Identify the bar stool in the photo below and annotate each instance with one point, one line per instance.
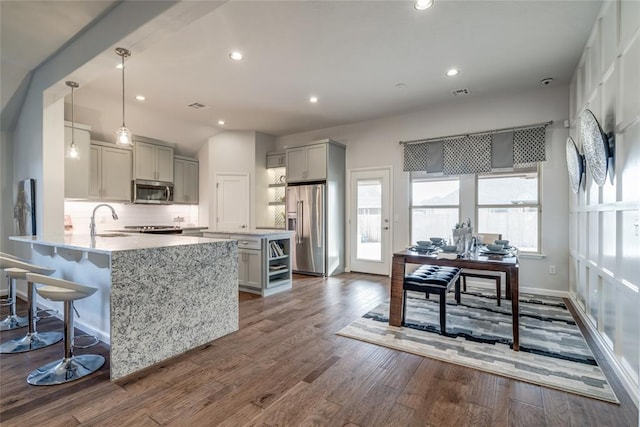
(33, 340)
(12, 321)
(69, 368)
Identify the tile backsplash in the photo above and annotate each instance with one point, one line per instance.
(129, 214)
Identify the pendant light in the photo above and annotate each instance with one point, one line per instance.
(73, 148)
(123, 136)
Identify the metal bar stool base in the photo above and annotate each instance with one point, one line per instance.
(66, 370)
(13, 322)
(30, 342)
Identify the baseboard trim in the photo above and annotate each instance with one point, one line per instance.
(545, 292)
(489, 284)
(627, 382)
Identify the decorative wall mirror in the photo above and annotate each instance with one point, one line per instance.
(598, 148)
(575, 165)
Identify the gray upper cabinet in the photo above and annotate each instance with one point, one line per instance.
(307, 163)
(275, 160)
(152, 162)
(110, 177)
(185, 186)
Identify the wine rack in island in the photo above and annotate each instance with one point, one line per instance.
(264, 259)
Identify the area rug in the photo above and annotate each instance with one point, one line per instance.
(553, 352)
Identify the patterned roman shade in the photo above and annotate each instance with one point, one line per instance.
(528, 146)
(471, 154)
(477, 153)
(415, 157)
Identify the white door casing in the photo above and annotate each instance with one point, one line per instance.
(232, 211)
(370, 220)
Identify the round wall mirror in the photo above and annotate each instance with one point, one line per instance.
(575, 165)
(595, 145)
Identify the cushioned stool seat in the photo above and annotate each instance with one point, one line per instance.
(432, 279)
(71, 367)
(33, 340)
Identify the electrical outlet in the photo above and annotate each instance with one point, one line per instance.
(552, 269)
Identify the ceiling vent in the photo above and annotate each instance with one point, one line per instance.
(196, 105)
(460, 92)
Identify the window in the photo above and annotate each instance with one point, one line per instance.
(509, 204)
(435, 206)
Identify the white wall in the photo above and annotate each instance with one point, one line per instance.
(237, 152)
(229, 152)
(375, 143)
(6, 188)
(205, 187)
(28, 139)
(604, 221)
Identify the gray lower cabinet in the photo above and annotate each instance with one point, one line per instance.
(264, 264)
(250, 268)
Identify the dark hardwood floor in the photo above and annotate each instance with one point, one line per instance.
(286, 367)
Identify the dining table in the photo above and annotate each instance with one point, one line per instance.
(472, 260)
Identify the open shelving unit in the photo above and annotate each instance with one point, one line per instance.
(278, 263)
(277, 190)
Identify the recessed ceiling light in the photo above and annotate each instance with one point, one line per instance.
(313, 99)
(236, 56)
(220, 122)
(423, 4)
(452, 72)
(400, 85)
(140, 97)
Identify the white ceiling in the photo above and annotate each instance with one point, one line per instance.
(351, 54)
(31, 31)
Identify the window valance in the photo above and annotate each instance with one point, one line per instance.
(478, 152)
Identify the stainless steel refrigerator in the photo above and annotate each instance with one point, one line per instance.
(306, 217)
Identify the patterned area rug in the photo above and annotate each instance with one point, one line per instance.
(553, 352)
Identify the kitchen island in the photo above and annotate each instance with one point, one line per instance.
(158, 295)
(264, 258)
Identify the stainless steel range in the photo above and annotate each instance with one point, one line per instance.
(153, 229)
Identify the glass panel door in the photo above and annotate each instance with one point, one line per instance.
(369, 219)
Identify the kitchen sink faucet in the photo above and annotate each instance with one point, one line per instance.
(92, 225)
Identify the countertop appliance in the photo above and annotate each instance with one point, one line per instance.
(151, 192)
(153, 229)
(306, 217)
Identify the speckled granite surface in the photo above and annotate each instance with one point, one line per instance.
(100, 244)
(167, 300)
(159, 295)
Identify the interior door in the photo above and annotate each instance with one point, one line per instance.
(370, 221)
(232, 201)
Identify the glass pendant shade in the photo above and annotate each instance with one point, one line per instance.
(73, 148)
(73, 151)
(123, 136)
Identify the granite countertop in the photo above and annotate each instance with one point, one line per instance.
(251, 231)
(120, 242)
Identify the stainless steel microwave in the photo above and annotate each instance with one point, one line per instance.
(151, 192)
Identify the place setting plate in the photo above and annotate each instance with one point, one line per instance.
(424, 247)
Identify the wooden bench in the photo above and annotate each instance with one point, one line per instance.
(432, 279)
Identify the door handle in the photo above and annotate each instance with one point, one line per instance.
(299, 222)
